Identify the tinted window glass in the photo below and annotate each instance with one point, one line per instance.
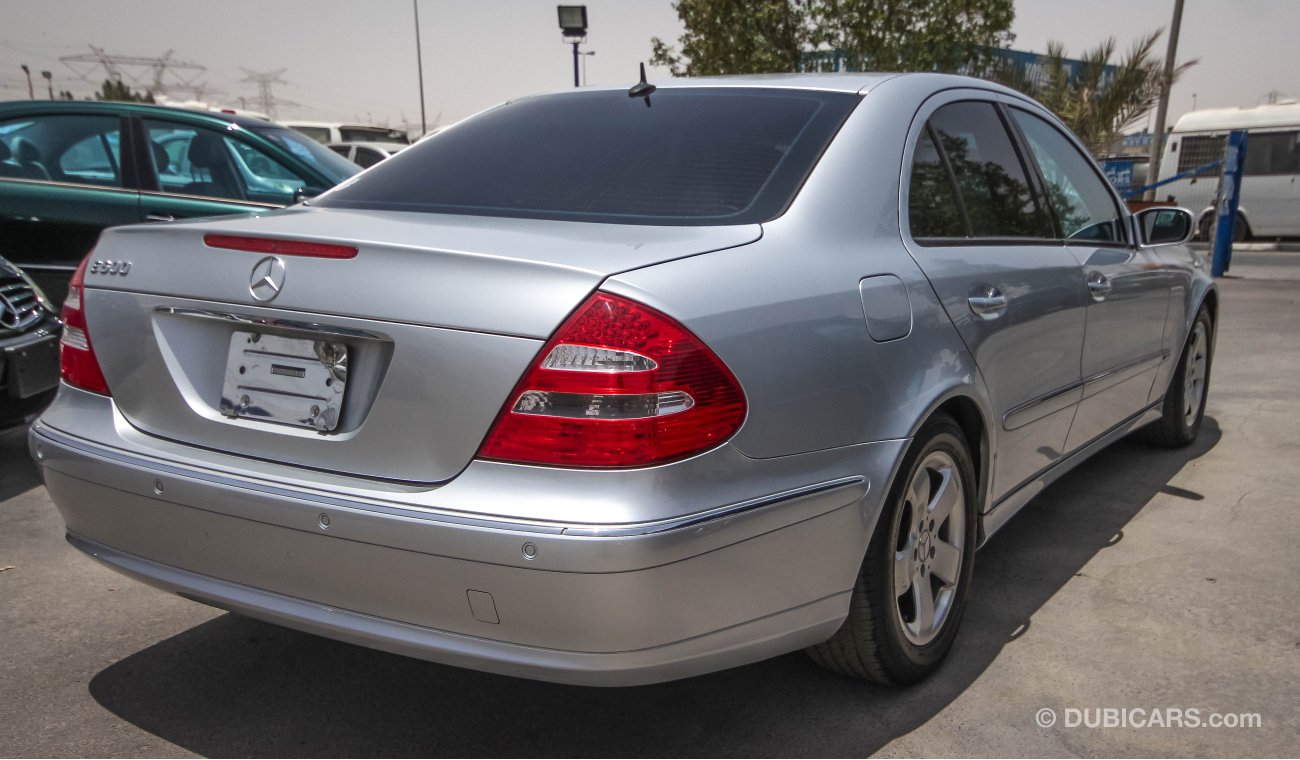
(319, 134)
(1076, 192)
(989, 174)
(368, 157)
(694, 156)
(932, 207)
(1272, 153)
(373, 134)
(64, 148)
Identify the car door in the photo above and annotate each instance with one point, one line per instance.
(198, 171)
(979, 230)
(1128, 287)
(64, 177)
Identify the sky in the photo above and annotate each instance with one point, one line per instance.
(349, 61)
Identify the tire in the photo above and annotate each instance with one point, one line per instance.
(1184, 406)
(1240, 229)
(888, 635)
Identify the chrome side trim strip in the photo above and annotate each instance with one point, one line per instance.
(216, 198)
(1057, 400)
(1009, 505)
(1094, 384)
(613, 530)
(1038, 408)
(75, 185)
(686, 521)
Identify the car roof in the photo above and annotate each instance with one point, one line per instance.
(847, 82)
(16, 107)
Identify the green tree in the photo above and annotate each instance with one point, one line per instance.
(733, 37)
(119, 91)
(1099, 102)
(912, 35)
(760, 36)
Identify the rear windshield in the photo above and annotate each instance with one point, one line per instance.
(694, 156)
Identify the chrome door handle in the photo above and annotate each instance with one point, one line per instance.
(160, 218)
(987, 302)
(1098, 286)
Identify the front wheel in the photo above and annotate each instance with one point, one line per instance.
(912, 587)
(1184, 405)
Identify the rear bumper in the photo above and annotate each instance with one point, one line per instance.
(599, 605)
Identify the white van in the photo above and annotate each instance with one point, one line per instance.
(1270, 195)
(325, 132)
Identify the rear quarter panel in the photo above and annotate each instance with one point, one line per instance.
(786, 315)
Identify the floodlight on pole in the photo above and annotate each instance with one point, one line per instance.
(573, 25)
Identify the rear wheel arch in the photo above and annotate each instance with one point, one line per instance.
(964, 408)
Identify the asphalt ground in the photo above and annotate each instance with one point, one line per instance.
(1145, 582)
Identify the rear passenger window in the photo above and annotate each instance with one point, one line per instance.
(932, 207)
(82, 149)
(1075, 189)
(989, 175)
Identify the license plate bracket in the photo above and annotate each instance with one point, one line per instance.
(297, 381)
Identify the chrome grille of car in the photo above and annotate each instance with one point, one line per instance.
(18, 305)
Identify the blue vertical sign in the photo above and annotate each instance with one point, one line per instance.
(1230, 195)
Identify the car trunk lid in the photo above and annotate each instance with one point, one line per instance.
(392, 363)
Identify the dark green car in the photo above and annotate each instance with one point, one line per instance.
(68, 169)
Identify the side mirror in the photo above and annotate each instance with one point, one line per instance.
(1164, 226)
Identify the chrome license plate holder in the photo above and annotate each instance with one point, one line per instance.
(286, 380)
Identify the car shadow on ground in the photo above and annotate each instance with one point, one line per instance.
(18, 473)
(238, 687)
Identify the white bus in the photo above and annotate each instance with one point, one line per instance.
(1270, 195)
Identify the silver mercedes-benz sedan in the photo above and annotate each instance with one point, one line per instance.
(620, 386)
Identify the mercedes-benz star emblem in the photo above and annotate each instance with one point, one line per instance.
(268, 279)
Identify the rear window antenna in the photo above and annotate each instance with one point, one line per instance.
(642, 89)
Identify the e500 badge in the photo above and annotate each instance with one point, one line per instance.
(110, 267)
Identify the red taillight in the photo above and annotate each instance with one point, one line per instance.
(77, 363)
(619, 385)
(282, 247)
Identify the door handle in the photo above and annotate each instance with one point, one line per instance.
(987, 302)
(159, 218)
(1098, 286)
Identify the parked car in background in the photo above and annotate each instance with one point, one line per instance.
(29, 346)
(595, 392)
(68, 169)
(326, 132)
(365, 154)
(1270, 194)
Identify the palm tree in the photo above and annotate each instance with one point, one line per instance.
(1099, 100)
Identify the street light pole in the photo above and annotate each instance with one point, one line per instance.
(419, 65)
(31, 94)
(49, 82)
(1162, 109)
(573, 26)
